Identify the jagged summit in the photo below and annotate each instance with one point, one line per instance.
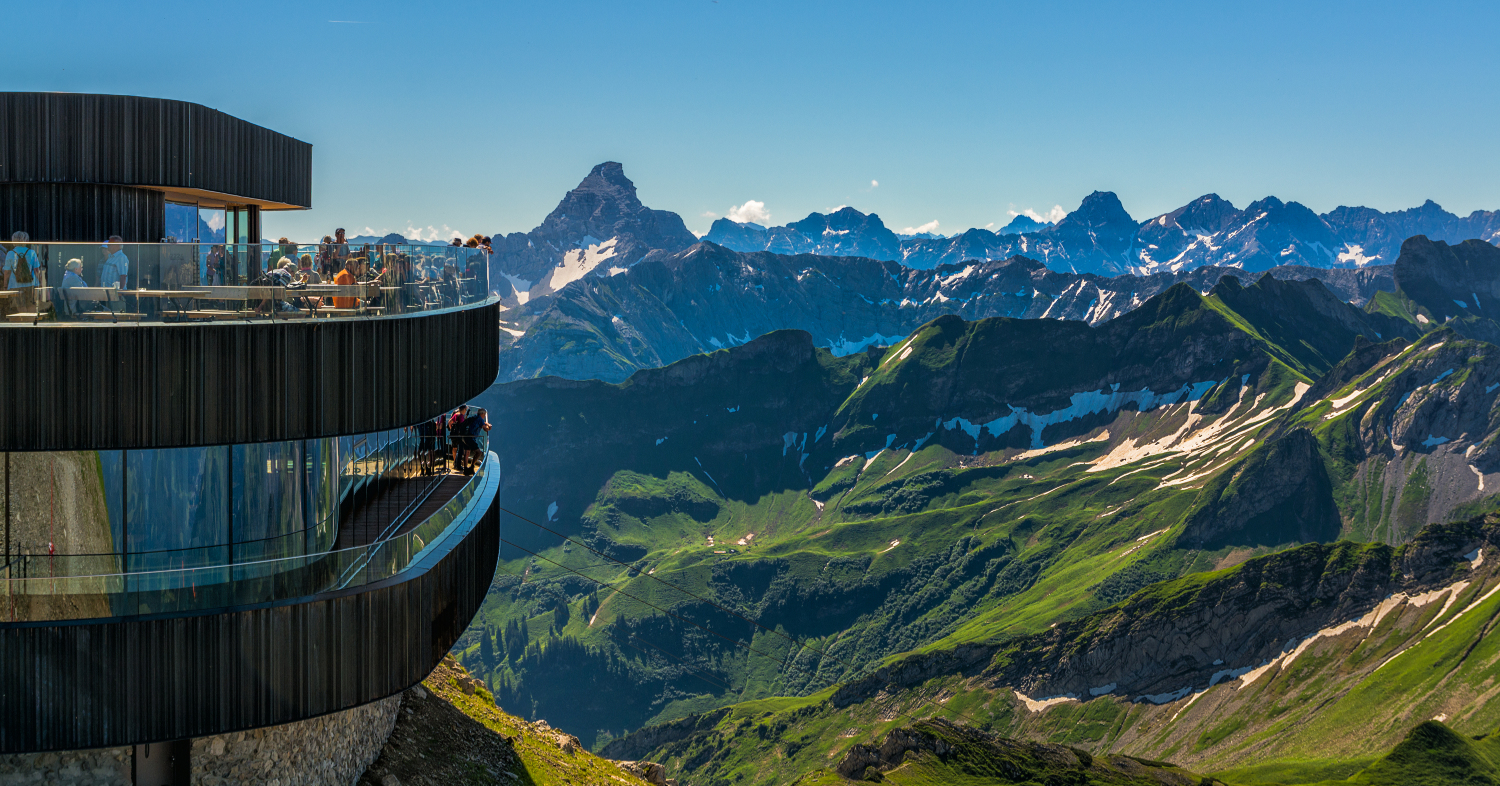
(1022, 224)
(599, 228)
(1101, 208)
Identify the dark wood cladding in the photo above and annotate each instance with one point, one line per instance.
(106, 387)
(82, 212)
(150, 142)
(98, 683)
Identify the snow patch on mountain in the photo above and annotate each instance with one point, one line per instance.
(846, 346)
(1083, 404)
(580, 262)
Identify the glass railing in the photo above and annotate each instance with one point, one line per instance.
(204, 282)
(114, 593)
(176, 508)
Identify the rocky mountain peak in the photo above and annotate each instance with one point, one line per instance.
(1101, 208)
(610, 172)
(1023, 224)
(1206, 214)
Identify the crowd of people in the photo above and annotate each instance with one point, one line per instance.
(453, 438)
(24, 270)
(411, 276)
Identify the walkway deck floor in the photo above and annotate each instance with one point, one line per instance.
(371, 518)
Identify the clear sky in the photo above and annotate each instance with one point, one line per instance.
(479, 116)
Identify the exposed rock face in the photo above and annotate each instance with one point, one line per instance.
(598, 226)
(1160, 645)
(710, 297)
(1281, 494)
(652, 737)
(973, 752)
(1457, 285)
(849, 233)
(648, 771)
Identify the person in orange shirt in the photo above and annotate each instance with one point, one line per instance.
(345, 278)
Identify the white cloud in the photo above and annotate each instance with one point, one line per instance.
(835, 209)
(752, 212)
(710, 214)
(1054, 215)
(987, 226)
(930, 226)
(874, 184)
(429, 234)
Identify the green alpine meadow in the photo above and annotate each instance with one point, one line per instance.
(1243, 535)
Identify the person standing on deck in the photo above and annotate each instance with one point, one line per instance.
(22, 271)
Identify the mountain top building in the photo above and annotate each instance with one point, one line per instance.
(221, 510)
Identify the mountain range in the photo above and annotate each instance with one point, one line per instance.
(709, 297)
(1101, 237)
(601, 228)
(585, 307)
(818, 514)
(1034, 522)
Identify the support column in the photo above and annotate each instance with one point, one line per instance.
(162, 764)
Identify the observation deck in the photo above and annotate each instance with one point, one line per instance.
(218, 514)
(201, 344)
(216, 509)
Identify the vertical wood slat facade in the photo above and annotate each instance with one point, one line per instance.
(78, 167)
(148, 142)
(82, 212)
(98, 683)
(106, 387)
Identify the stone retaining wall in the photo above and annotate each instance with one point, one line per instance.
(333, 750)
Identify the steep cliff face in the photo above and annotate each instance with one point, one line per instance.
(1280, 494)
(1457, 285)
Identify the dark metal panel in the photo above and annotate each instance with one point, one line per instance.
(121, 682)
(82, 212)
(105, 387)
(150, 142)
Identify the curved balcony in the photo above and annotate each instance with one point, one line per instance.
(201, 344)
(241, 644)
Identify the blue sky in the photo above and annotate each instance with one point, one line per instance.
(479, 116)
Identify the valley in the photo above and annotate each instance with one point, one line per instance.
(770, 516)
(826, 547)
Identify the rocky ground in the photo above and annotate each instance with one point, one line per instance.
(449, 731)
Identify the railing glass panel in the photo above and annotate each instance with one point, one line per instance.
(202, 282)
(113, 592)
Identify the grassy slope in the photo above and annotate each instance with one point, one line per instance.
(1295, 718)
(446, 735)
(991, 545)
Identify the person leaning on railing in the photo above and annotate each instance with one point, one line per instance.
(475, 425)
(456, 434)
